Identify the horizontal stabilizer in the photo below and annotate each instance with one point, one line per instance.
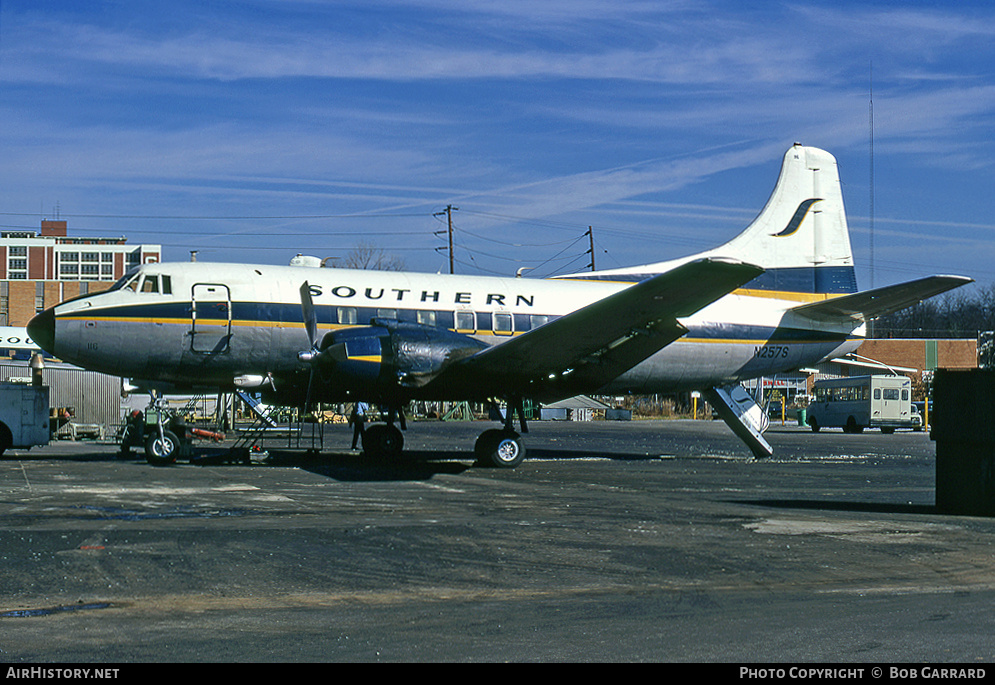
(861, 307)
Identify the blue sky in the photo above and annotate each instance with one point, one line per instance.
(251, 131)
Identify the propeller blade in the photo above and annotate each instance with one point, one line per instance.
(310, 315)
(311, 327)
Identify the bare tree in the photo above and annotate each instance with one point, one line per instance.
(959, 314)
(367, 256)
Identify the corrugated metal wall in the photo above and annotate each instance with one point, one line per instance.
(94, 397)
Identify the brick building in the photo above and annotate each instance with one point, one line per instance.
(922, 355)
(40, 270)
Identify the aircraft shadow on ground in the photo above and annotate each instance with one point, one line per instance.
(422, 465)
(416, 465)
(413, 465)
(93, 457)
(538, 453)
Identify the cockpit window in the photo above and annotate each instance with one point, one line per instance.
(129, 280)
(151, 284)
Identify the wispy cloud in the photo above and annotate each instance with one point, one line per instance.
(562, 110)
(655, 42)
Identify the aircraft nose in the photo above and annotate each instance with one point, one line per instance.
(42, 330)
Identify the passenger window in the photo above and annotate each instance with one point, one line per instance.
(539, 320)
(503, 323)
(387, 313)
(347, 315)
(877, 393)
(465, 321)
(425, 318)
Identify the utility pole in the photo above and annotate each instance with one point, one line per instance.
(449, 215)
(590, 234)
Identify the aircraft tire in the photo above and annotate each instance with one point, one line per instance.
(814, 425)
(382, 440)
(499, 448)
(162, 451)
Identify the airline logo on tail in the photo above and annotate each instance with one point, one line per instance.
(797, 219)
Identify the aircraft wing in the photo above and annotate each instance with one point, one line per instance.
(602, 340)
(861, 307)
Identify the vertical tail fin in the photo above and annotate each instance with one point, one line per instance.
(800, 238)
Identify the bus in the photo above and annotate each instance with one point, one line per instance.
(860, 402)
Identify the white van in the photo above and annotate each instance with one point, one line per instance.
(860, 402)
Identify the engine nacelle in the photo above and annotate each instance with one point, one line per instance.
(390, 352)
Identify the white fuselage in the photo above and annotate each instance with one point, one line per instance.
(201, 324)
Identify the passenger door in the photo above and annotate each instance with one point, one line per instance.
(210, 314)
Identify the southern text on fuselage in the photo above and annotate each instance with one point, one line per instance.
(345, 292)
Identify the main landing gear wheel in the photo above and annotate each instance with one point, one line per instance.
(499, 447)
(162, 450)
(383, 440)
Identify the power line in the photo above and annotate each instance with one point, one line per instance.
(505, 242)
(556, 256)
(566, 268)
(270, 248)
(527, 220)
(220, 217)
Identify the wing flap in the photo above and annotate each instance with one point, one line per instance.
(614, 333)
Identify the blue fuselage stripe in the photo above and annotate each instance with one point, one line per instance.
(829, 280)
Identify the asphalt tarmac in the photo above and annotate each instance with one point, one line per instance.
(613, 542)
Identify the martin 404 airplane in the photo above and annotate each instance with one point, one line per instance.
(780, 296)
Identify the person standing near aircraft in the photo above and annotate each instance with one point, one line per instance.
(358, 420)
